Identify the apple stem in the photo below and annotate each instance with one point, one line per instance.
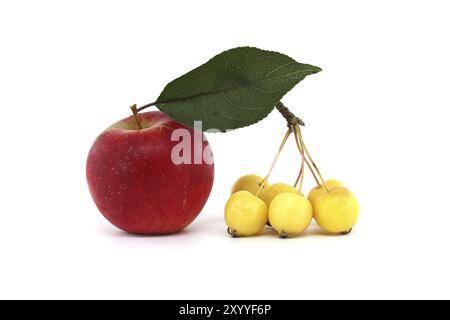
(135, 111)
(302, 142)
(286, 136)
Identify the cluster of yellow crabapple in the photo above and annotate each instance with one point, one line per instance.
(254, 203)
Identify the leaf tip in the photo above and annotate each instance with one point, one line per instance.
(315, 69)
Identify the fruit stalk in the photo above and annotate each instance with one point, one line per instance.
(286, 136)
(300, 149)
(291, 118)
(135, 111)
(302, 142)
(293, 122)
(302, 169)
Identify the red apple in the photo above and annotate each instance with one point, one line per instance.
(136, 182)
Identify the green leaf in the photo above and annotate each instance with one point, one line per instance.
(234, 89)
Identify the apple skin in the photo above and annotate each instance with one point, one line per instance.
(135, 183)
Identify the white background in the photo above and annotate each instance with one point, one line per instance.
(377, 118)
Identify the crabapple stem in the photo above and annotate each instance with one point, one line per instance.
(297, 179)
(291, 118)
(136, 116)
(302, 155)
(302, 142)
(286, 136)
(306, 161)
(302, 169)
(293, 122)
